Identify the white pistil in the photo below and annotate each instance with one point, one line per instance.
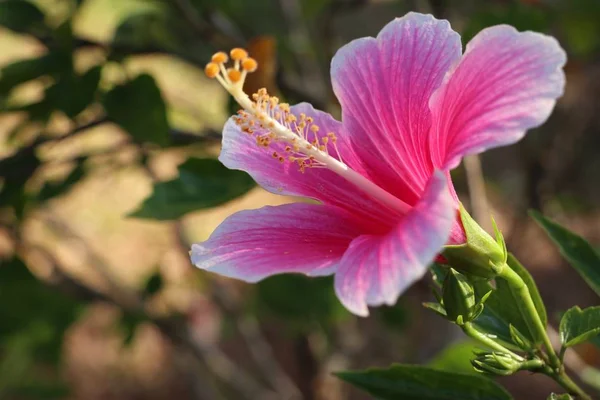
(281, 129)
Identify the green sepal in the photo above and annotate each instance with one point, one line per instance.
(436, 307)
(481, 256)
(519, 339)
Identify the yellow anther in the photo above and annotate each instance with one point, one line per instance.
(234, 75)
(249, 64)
(238, 54)
(219, 58)
(314, 128)
(211, 70)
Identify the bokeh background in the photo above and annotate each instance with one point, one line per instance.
(109, 132)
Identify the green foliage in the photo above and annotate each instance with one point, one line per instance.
(578, 326)
(502, 308)
(34, 306)
(456, 357)
(129, 323)
(516, 13)
(201, 183)
(34, 319)
(411, 382)
(299, 300)
(138, 107)
(26, 70)
(153, 284)
(582, 256)
(579, 22)
(149, 29)
(73, 93)
(18, 168)
(21, 16)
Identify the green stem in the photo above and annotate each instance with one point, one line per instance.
(555, 370)
(470, 330)
(566, 382)
(530, 313)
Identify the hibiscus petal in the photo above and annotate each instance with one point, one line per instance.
(507, 82)
(254, 244)
(375, 270)
(240, 151)
(384, 86)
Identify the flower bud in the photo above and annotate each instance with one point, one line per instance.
(503, 364)
(481, 256)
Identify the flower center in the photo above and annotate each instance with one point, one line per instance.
(270, 121)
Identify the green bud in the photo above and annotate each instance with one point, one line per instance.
(503, 364)
(481, 256)
(458, 297)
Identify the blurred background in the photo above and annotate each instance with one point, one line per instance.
(109, 132)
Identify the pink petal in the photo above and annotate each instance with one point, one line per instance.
(254, 244)
(377, 269)
(240, 151)
(384, 86)
(507, 82)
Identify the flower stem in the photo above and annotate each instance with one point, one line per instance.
(555, 369)
(567, 383)
(473, 333)
(529, 311)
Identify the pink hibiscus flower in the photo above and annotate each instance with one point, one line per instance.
(412, 107)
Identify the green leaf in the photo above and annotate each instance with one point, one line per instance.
(278, 296)
(202, 183)
(20, 16)
(411, 382)
(149, 29)
(154, 283)
(564, 396)
(129, 323)
(502, 308)
(36, 310)
(456, 357)
(578, 326)
(23, 71)
(138, 107)
(73, 93)
(575, 249)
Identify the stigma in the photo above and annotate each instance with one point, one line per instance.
(290, 138)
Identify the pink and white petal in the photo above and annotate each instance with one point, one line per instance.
(375, 270)
(384, 86)
(301, 238)
(240, 151)
(506, 83)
